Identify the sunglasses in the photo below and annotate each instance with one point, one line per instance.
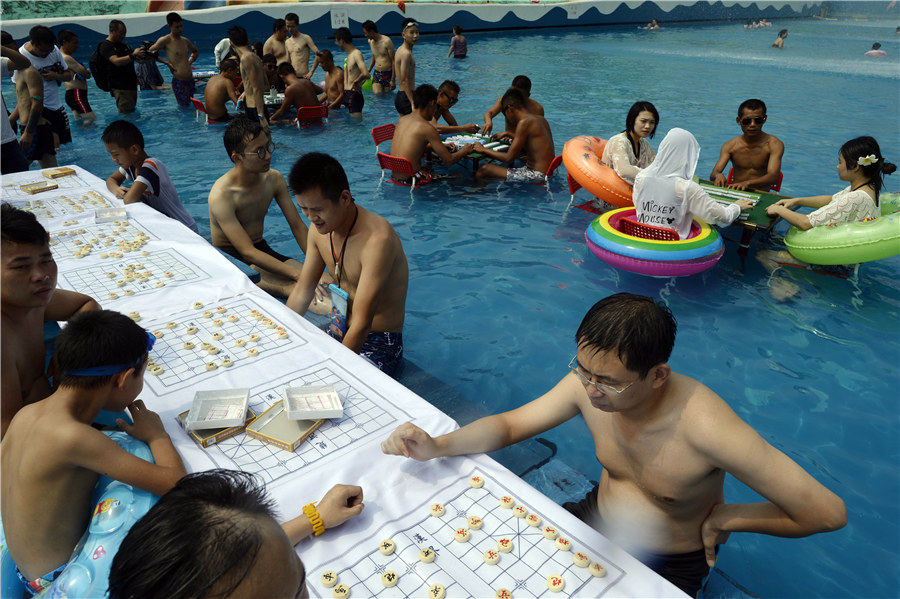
(451, 99)
(759, 120)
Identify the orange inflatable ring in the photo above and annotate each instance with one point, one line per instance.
(582, 155)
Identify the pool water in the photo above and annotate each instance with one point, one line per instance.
(500, 276)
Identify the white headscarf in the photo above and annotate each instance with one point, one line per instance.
(656, 199)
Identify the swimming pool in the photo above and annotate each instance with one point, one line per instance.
(501, 277)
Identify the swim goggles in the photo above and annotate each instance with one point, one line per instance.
(113, 368)
(411, 24)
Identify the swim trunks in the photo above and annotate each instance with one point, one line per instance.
(184, 91)
(59, 123)
(148, 74)
(423, 177)
(253, 114)
(385, 350)
(402, 103)
(42, 583)
(222, 119)
(353, 100)
(687, 571)
(41, 143)
(524, 174)
(382, 77)
(12, 159)
(260, 245)
(78, 101)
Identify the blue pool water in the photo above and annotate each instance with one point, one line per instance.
(500, 276)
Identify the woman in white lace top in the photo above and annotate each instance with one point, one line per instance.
(629, 152)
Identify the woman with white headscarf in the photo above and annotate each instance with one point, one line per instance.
(665, 194)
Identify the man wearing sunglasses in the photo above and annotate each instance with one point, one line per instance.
(448, 96)
(665, 442)
(755, 156)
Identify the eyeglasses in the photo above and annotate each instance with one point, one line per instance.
(262, 151)
(759, 120)
(606, 389)
(450, 98)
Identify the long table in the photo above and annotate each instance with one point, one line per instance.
(186, 278)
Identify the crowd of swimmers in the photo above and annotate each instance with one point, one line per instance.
(664, 439)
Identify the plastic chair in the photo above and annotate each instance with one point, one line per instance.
(630, 226)
(311, 113)
(554, 164)
(382, 133)
(198, 105)
(775, 187)
(399, 165)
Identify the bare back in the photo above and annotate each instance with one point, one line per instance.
(411, 138)
(405, 70)
(248, 205)
(538, 142)
(254, 79)
(301, 92)
(219, 90)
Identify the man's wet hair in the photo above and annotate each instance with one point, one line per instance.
(636, 109)
(99, 338)
(240, 131)
(342, 34)
(201, 539)
(292, 16)
(115, 24)
(285, 68)
(65, 36)
(6, 39)
(316, 170)
(449, 85)
(237, 35)
(424, 94)
(172, 18)
(521, 82)
(20, 226)
(370, 26)
(457, 29)
(325, 53)
(512, 97)
(278, 24)
(123, 134)
(41, 36)
(751, 104)
(407, 22)
(638, 329)
(269, 59)
(228, 64)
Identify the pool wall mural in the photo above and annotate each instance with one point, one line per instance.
(319, 19)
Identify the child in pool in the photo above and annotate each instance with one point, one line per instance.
(51, 456)
(629, 152)
(860, 164)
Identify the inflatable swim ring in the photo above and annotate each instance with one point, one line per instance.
(850, 243)
(653, 257)
(117, 507)
(582, 157)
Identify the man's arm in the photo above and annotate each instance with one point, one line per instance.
(376, 261)
(340, 95)
(390, 46)
(65, 304)
(269, 46)
(402, 74)
(76, 67)
(797, 505)
(315, 52)
(363, 70)
(65, 75)
(160, 44)
(285, 104)
(305, 288)
(492, 432)
(283, 198)
(489, 117)
(18, 61)
(340, 503)
(114, 184)
(438, 147)
(195, 53)
(516, 146)
(724, 156)
(35, 89)
(776, 151)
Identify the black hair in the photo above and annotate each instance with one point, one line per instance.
(751, 104)
(115, 24)
(6, 39)
(285, 68)
(240, 131)
(448, 84)
(316, 170)
(406, 22)
(123, 134)
(98, 338)
(20, 226)
(457, 29)
(876, 46)
(326, 53)
(638, 329)
(41, 35)
(636, 109)
(278, 24)
(172, 18)
(521, 82)
(861, 147)
(512, 97)
(237, 35)
(269, 58)
(228, 63)
(424, 94)
(257, 48)
(342, 34)
(782, 33)
(202, 537)
(292, 16)
(65, 36)
(370, 26)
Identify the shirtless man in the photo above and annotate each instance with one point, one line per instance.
(298, 47)
(531, 135)
(756, 156)
(665, 442)
(180, 55)
(355, 72)
(523, 84)
(239, 201)
(297, 93)
(405, 66)
(415, 134)
(76, 89)
(29, 299)
(219, 90)
(36, 135)
(448, 95)
(276, 42)
(334, 80)
(382, 64)
(253, 76)
(370, 264)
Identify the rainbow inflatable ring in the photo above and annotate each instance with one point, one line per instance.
(117, 507)
(652, 257)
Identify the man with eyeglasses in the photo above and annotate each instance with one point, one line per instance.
(239, 201)
(665, 442)
(755, 156)
(448, 96)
